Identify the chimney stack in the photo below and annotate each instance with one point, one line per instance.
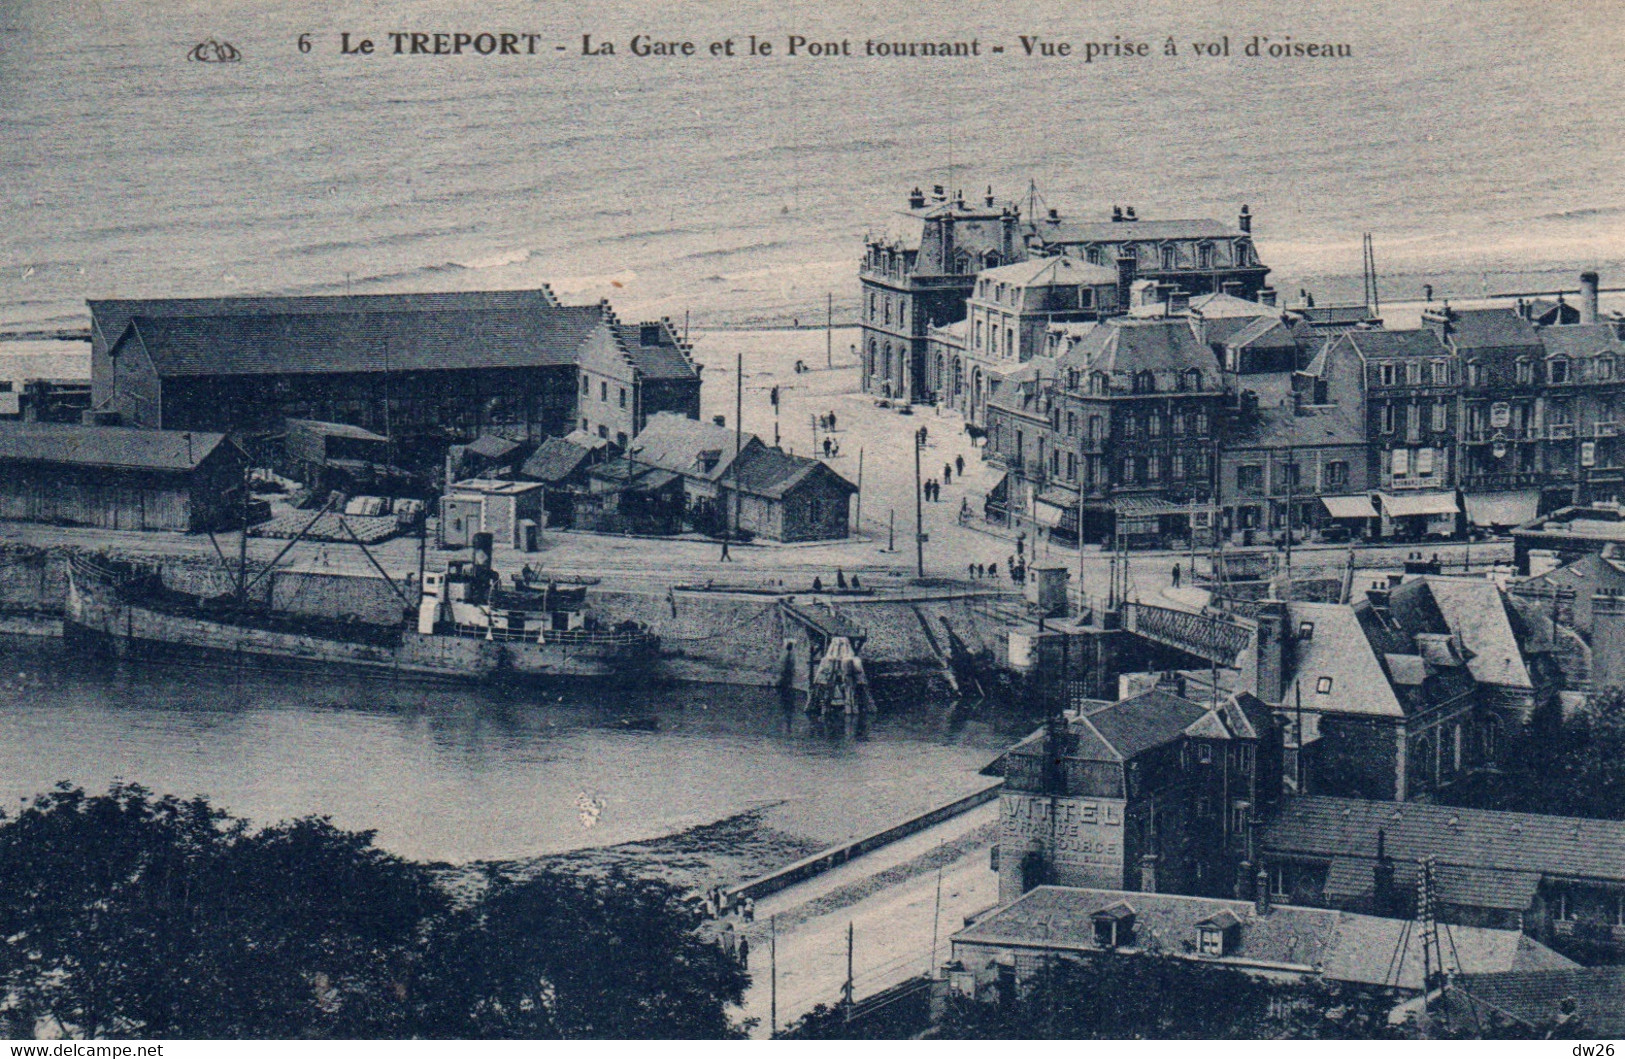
(1588, 297)
(1273, 650)
(1128, 214)
(916, 199)
(990, 196)
(1245, 221)
(1127, 270)
(1607, 639)
(1055, 216)
(1231, 287)
(1266, 296)
(720, 420)
(1117, 214)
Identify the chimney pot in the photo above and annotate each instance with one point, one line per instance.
(1128, 213)
(1588, 297)
(1117, 213)
(1245, 221)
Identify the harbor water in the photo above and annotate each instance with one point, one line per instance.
(451, 773)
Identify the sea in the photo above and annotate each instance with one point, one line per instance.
(1478, 144)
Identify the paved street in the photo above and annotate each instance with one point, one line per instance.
(890, 898)
(882, 554)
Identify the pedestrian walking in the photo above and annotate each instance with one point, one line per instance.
(959, 465)
(1176, 575)
(840, 578)
(832, 419)
(970, 571)
(947, 474)
(993, 571)
(818, 584)
(924, 435)
(826, 448)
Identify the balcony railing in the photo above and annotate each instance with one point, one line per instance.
(1560, 431)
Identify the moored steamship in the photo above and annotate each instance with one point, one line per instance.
(468, 626)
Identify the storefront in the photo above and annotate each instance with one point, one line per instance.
(1500, 512)
(1349, 518)
(1418, 516)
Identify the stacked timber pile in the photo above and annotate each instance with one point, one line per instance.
(370, 529)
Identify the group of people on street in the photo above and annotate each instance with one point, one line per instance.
(1016, 566)
(831, 447)
(841, 582)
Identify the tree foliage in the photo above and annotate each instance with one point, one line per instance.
(1564, 766)
(126, 914)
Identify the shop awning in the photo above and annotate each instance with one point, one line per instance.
(1143, 514)
(1358, 506)
(1404, 505)
(1503, 509)
(1052, 506)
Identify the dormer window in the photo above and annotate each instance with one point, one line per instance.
(1114, 925)
(1306, 630)
(1218, 934)
(1167, 257)
(1204, 256)
(1323, 686)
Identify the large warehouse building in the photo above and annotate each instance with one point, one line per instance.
(422, 369)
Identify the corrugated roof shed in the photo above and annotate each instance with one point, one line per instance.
(315, 343)
(112, 447)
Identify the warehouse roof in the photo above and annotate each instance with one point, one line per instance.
(110, 316)
(113, 447)
(323, 343)
(1518, 843)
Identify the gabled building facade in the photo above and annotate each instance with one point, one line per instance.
(1127, 413)
(1155, 792)
(917, 274)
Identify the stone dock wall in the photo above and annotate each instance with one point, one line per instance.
(707, 637)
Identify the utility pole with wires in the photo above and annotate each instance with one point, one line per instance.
(846, 990)
(773, 981)
(730, 526)
(919, 515)
(829, 330)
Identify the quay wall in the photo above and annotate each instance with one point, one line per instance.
(818, 863)
(709, 637)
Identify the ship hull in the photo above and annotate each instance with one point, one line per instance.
(130, 629)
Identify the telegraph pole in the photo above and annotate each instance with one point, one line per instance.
(829, 330)
(739, 407)
(773, 984)
(919, 526)
(846, 991)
